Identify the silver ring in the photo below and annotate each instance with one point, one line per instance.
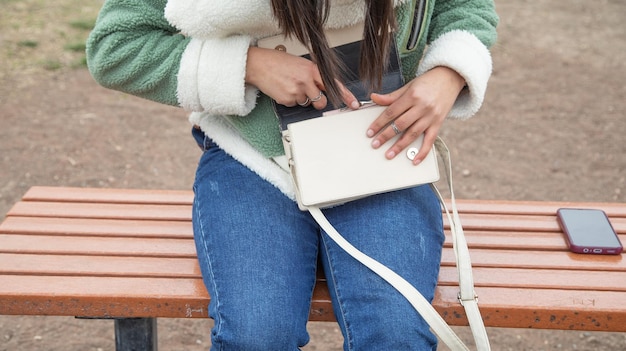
(317, 98)
(305, 103)
(395, 128)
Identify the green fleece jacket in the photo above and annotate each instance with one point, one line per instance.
(192, 53)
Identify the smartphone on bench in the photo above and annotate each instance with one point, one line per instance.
(589, 231)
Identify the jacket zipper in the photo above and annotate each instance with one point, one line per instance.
(418, 21)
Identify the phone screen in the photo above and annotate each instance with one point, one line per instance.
(589, 231)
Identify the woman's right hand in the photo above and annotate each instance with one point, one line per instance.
(289, 80)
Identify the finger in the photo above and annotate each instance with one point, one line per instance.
(305, 101)
(427, 145)
(348, 98)
(395, 108)
(318, 100)
(407, 137)
(315, 90)
(382, 99)
(391, 130)
(388, 99)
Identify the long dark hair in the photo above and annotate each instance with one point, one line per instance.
(305, 20)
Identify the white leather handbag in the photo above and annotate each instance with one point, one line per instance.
(332, 162)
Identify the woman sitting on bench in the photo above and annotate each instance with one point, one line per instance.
(257, 251)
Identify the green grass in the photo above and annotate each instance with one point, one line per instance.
(27, 43)
(49, 35)
(76, 47)
(83, 26)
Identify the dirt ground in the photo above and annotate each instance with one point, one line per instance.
(552, 128)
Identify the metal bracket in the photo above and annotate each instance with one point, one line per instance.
(458, 296)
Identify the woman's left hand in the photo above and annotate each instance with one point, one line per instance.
(419, 107)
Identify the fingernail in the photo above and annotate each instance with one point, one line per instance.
(355, 104)
(391, 154)
(370, 133)
(376, 144)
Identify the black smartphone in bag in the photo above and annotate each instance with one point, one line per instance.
(589, 231)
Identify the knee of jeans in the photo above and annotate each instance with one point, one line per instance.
(262, 335)
(393, 334)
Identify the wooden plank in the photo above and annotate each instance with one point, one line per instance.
(526, 223)
(516, 240)
(89, 297)
(527, 308)
(503, 238)
(536, 241)
(183, 229)
(97, 227)
(59, 245)
(154, 196)
(185, 248)
(107, 195)
(102, 211)
(516, 278)
(469, 221)
(99, 266)
(512, 240)
(150, 267)
(540, 308)
(507, 222)
(539, 260)
(534, 207)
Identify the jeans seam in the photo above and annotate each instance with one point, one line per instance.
(208, 257)
(331, 275)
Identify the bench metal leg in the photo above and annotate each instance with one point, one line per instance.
(136, 334)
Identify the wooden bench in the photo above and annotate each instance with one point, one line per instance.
(129, 255)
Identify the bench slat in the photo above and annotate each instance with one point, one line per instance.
(99, 266)
(173, 248)
(97, 227)
(92, 297)
(60, 245)
(539, 279)
(540, 260)
(539, 308)
(477, 238)
(508, 222)
(470, 221)
(150, 267)
(102, 211)
(100, 195)
(185, 248)
(154, 196)
(142, 298)
(534, 207)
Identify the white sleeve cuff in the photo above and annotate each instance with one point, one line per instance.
(212, 77)
(468, 56)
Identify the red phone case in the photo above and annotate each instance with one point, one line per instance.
(590, 246)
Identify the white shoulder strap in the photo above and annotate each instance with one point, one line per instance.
(467, 296)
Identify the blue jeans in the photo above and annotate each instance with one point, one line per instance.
(258, 255)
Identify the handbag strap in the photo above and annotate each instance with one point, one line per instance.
(467, 296)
